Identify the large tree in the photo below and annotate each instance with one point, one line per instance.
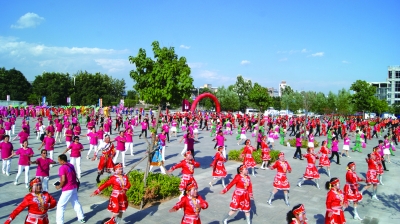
(364, 95)
(14, 83)
(259, 96)
(343, 102)
(164, 79)
(242, 88)
(228, 99)
(56, 87)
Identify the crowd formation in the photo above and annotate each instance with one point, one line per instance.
(64, 126)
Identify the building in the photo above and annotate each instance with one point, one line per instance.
(282, 86)
(389, 90)
(273, 92)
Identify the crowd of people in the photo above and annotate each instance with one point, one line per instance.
(110, 152)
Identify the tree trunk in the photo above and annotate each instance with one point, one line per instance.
(149, 150)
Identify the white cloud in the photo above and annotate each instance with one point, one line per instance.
(283, 59)
(184, 46)
(304, 51)
(113, 65)
(345, 62)
(193, 65)
(318, 54)
(28, 20)
(245, 62)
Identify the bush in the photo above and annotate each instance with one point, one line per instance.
(304, 143)
(159, 187)
(372, 123)
(235, 155)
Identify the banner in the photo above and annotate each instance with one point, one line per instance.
(44, 101)
(68, 99)
(185, 105)
(100, 102)
(8, 97)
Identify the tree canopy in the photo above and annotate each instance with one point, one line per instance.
(259, 96)
(363, 96)
(228, 99)
(14, 83)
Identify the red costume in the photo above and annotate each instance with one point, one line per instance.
(118, 200)
(187, 172)
(218, 165)
(247, 155)
(38, 205)
(242, 194)
(280, 181)
(378, 160)
(191, 213)
(335, 199)
(106, 158)
(311, 170)
(323, 129)
(372, 175)
(351, 187)
(265, 156)
(324, 159)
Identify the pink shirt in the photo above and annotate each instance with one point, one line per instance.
(346, 141)
(120, 143)
(7, 125)
(68, 171)
(76, 149)
(128, 137)
(93, 138)
(43, 167)
(298, 142)
(6, 149)
(59, 127)
(162, 138)
(144, 125)
(24, 156)
(49, 143)
(23, 136)
(100, 134)
(220, 140)
(68, 135)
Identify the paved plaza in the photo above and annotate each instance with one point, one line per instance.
(385, 211)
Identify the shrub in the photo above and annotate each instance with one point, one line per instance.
(235, 155)
(304, 143)
(372, 123)
(159, 187)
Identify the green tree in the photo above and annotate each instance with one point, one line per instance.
(242, 88)
(320, 103)
(364, 95)
(55, 86)
(331, 103)
(206, 103)
(381, 106)
(276, 103)
(14, 83)
(228, 99)
(343, 102)
(166, 78)
(259, 96)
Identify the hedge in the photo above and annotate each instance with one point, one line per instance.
(159, 187)
(235, 155)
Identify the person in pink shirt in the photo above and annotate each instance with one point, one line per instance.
(298, 147)
(12, 120)
(77, 129)
(66, 125)
(7, 126)
(165, 127)
(100, 135)
(2, 133)
(220, 142)
(25, 153)
(174, 125)
(51, 128)
(93, 141)
(129, 140)
(120, 139)
(23, 136)
(76, 148)
(144, 124)
(59, 127)
(68, 136)
(162, 137)
(49, 141)
(106, 127)
(7, 150)
(43, 168)
(346, 146)
(184, 137)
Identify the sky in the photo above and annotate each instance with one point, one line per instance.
(314, 45)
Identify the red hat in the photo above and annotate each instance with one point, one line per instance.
(299, 210)
(220, 148)
(35, 181)
(118, 166)
(190, 186)
(281, 154)
(188, 153)
(242, 167)
(334, 182)
(350, 165)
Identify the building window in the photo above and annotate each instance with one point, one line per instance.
(397, 86)
(397, 95)
(390, 74)
(397, 74)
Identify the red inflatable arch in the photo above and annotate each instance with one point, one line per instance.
(205, 95)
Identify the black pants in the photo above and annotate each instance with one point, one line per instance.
(317, 132)
(145, 133)
(337, 157)
(374, 133)
(258, 145)
(298, 151)
(383, 163)
(166, 133)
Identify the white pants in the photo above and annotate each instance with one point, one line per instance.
(65, 129)
(76, 161)
(20, 167)
(50, 154)
(6, 166)
(116, 157)
(68, 196)
(184, 150)
(58, 135)
(68, 143)
(129, 146)
(92, 147)
(161, 168)
(13, 128)
(45, 182)
(8, 132)
(88, 131)
(163, 153)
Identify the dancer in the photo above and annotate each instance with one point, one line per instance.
(187, 165)
(241, 196)
(242, 135)
(25, 153)
(156, 159)
(49, 141)
(107, 152)
(346, 146)
(219, 171)
(350, 189)
(298, 147)
(265, 156)
(357, 147)
(323, 159)
(7, 149)
(38, 203)
(311, 171)
(118, 200)
(43, 169)
(120, 139)
(335, 150)
(220, 141)
(247, 156)
(76, 148)
(192, 203)
(336, 201)
(297, 215)
(280, 181)
(372, 176)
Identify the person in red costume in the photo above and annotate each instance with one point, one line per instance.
(106, 152)
(311, 169)
(336, 201)
(324, 158)
(297, 215)
(280, 181)
(187, 165)
(247, 156)
(351, 187)
(219, 171)
(372, 175)
(265, 153)
(242, 194)
(38, 203)
(191, 203)
(118, 200)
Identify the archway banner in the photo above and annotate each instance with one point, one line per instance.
(206, 95)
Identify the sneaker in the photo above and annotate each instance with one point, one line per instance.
(26, 185)
(82, 221)
(7, 174)
(132, 154)
(210, 184)
(15, 183)
(4, 172)
(374, 197)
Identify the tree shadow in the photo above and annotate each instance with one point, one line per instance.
(5, 183)
(390, 201)
(94, 209)
(141, 143)
(88, 172)
(203, 193)
(141, 214)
